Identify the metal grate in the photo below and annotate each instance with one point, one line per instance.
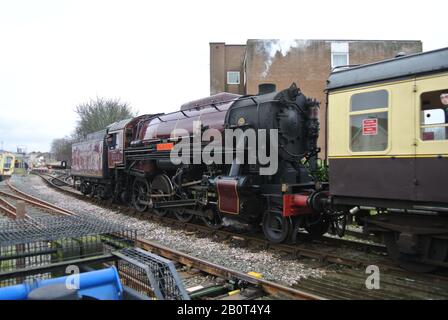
(47, 228)
(46, 240)
(150, 274)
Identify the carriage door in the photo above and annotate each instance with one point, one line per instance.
(431, 138)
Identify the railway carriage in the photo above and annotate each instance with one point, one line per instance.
(7, 161)
(388, 151)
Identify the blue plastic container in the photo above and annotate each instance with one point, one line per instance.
(100, 284)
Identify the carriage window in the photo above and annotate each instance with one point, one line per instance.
(434, 115)
(368, 132)
(369, 100)
(368, 121)
(7, 163)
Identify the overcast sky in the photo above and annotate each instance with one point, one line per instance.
(55, 54)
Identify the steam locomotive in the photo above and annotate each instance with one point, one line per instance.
(132, 161)
(254, 159)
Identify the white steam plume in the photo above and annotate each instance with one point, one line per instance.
(269, 49)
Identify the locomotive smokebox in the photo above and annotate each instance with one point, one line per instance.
(265, 88)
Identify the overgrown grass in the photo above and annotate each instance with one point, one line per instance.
(322, 171)
(321, 174)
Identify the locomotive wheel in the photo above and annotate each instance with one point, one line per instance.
(338, 225)
(140, 189)
(436, 250)
(316, 227)
(183, 216)
(161, 184)
(276, 227)
(85, 188)
(212, 219)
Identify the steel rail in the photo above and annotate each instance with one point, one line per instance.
(268, 287)
(7, 208)
(34, 201)
(297, 250)
(11, 210)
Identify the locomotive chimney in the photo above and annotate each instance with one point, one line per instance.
(264, 88)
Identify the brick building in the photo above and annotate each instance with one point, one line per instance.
(241, 68)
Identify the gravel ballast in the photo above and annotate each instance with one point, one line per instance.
(270, 264)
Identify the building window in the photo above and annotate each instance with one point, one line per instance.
(369, 121)
(233, 77)
(434, 115)
(339, 59)
(339, 54)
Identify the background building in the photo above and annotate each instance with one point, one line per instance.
(241, 68)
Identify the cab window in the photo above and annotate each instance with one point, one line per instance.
(434, 115)
(112, 141)
(369, 121)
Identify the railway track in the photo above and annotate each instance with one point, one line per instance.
(350, 285)
(10, 196)
(345, 282)
(58, 182)
(268, 288)
(213, 280)
(321, 250)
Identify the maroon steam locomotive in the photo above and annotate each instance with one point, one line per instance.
(132, 161)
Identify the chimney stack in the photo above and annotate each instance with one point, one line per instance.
(264, 88)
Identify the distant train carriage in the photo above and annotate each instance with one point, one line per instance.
(98, 161)
(89, 160)
(20, 165)
(6, 165)
(388, 149)
(57, 165)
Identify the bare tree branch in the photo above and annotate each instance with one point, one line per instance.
(98, 114)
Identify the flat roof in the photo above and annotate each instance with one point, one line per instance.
(339, 40)
(400, 67)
